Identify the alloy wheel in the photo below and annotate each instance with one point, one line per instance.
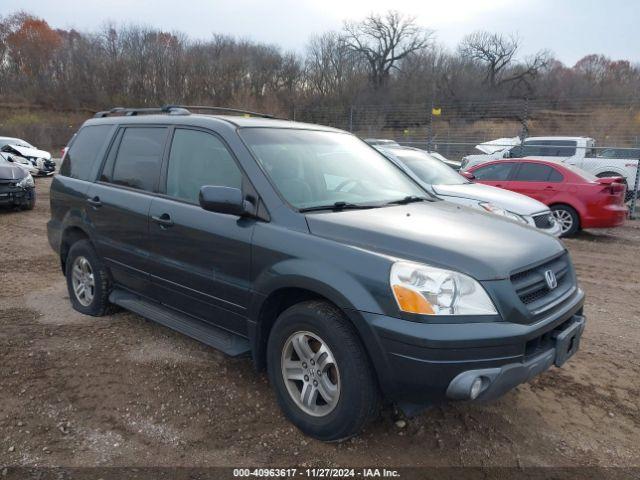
(565, 220)
(83, 281)
(310, 373)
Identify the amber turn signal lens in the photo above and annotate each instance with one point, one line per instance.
(411, 301)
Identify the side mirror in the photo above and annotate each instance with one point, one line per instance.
(224, 200)
(468, 175)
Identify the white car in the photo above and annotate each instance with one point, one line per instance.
(578, 151)
(445, 183)
(39, 161)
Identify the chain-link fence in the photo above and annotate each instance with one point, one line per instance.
(609, 129)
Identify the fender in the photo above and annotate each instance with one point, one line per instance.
(321, 278)
(327, 281)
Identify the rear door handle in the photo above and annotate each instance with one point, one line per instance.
(94, 202)
(163, 220)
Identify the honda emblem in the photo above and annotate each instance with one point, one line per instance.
(550, 277)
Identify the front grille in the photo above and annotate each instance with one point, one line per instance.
(544, 220)
(531, 286)
(7, 187)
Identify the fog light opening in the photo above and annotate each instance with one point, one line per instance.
(476, 388)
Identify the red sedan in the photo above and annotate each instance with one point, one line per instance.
(577, 198)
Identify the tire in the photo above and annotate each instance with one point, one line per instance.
(568, 219)
(31, 203)
(95, 279)
(349, 378)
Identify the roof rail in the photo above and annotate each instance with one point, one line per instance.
(129, 112)
(222, 109)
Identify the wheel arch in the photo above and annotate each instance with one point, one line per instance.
(70, 235)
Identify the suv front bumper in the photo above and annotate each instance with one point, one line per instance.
(427, 363)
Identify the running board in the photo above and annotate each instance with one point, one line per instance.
(229, 343)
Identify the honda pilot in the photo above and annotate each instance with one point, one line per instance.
(305, 248)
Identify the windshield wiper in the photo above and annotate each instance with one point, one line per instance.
(407, 199)
(337, 206)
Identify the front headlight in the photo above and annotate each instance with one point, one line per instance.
(26, 182)
(427, 290)
(490, 207)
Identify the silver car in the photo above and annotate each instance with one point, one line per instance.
(445, 183)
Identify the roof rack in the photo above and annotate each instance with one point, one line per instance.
(175, 110)
(130, 112)
(222, 109)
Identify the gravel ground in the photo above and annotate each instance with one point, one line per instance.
(122, 391)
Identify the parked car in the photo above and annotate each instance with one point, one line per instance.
(381, 141)
(17, 188)
(39, 161)
(302, 246)
(445, 183)
(577, 198)
(577, 151)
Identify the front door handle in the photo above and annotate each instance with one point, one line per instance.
(163, 220)
(94, 202)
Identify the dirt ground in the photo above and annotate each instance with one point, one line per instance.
(120, 390)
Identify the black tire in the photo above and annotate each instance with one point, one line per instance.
(99, 304)
(358, 401)
(31, 203)
(566, 212)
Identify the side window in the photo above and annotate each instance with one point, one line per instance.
(550, 148)
(556, 176)
(497, 171)
(138, 158)
(197, 159)
(532, 172)
(84, 151)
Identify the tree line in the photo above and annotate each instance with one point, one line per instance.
(382, 60)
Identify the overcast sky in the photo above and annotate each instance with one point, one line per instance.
(569, 28)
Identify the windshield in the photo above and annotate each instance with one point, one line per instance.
(428, 169)
(313, 168)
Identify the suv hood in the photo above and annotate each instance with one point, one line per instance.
(9, 171)
(514, 202)
(441, 234)
(27, 152)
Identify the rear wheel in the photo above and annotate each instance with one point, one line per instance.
(323, 379)
(567, 218)
(88, 281)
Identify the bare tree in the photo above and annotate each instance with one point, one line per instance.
(385, 40)
(330, 66)
(498, 52)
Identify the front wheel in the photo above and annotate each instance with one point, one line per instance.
(323, 379)
(568, 219)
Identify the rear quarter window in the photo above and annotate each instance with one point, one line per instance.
(83, 152)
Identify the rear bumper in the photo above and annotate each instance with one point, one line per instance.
(422, 363)
(608, 217)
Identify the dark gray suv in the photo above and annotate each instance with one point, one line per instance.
(307, 249)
